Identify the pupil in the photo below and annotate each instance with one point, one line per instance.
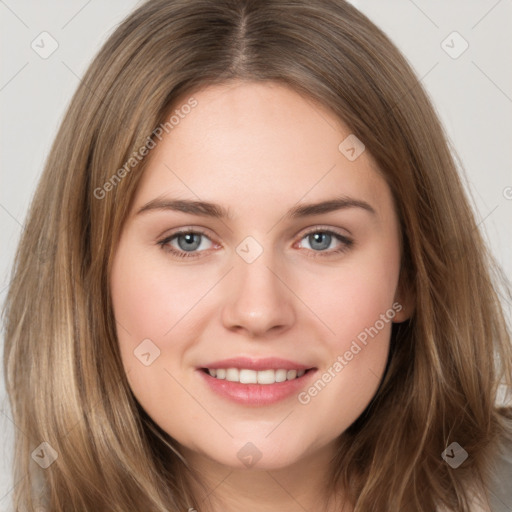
(190, 244)
(318, 238)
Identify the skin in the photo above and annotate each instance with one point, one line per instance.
(257, 149)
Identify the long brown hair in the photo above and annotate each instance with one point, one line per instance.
(64, 375)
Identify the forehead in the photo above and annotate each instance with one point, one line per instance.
(257, 145)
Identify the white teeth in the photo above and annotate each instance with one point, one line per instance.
(232, 374)
(291, 374)
(248, 377)
(266, 377)
(245, 376)
(280, 375)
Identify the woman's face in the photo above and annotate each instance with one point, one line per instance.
(282, 282)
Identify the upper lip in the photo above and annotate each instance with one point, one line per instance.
(268, 363)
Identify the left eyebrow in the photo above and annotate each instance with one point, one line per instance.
(208, 209)
(338, 203)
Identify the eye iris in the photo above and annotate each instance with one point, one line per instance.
(319, 238)
(193, 241)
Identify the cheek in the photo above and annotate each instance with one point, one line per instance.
(356, 303)
(148, 301)
(352, 297)
(153, 302)
(148, 298)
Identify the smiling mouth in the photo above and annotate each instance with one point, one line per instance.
(247, 376)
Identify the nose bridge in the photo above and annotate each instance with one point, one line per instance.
(258, 299)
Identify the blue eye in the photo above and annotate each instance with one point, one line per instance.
(320, 240)
(185, 244)
(188, 242)
(191, 241)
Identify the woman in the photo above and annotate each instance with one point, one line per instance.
(327, 336)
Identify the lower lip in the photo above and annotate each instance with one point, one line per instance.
(256, 394)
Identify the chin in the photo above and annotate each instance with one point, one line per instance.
(263, 455)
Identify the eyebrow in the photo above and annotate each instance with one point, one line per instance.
(208, 209)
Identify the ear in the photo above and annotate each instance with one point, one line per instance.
(404, 301)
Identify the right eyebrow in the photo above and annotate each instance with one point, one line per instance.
(208, 209)
(200, 208)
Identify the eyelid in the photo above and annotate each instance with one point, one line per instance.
(342, 238)
(347, 242)
(320, 227)
(205, 232)
(168, 233)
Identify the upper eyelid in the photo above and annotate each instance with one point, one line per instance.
(327, 229)
(301, 235)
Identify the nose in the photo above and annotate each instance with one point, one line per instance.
(259, 301)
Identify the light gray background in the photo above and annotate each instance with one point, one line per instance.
(472, 94)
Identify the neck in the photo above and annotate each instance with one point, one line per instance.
(295, 488)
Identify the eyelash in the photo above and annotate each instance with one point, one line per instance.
(346, 242)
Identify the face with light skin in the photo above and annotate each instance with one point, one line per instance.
(257, 150)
